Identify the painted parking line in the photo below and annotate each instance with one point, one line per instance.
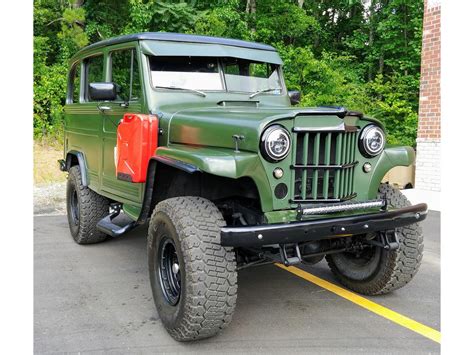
(382, 311)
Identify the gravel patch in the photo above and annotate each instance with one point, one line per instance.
(50, 198)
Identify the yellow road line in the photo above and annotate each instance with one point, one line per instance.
(395, 317)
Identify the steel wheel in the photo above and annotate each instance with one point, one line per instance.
(362, 258)
(193, 278)
(85, 208)
(74, 206)
(169, 271)
(374, 270)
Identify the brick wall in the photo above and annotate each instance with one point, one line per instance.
(429, 121)
(428, 165)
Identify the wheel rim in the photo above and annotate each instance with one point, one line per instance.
(362, 258)
(361, 265)
(169, 271)
(74, 206)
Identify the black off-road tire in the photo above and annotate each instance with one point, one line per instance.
(208, 279)
(387, 270)
(90, 209)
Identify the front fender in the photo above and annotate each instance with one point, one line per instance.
(391, 157)
(223, 162)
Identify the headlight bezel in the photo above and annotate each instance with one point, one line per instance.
(264, 144)
(364, 147)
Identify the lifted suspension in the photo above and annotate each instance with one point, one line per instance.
(296, 253)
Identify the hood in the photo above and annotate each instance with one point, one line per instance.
(215, 126)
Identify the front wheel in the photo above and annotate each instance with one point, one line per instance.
(374, 270)
(193, 278)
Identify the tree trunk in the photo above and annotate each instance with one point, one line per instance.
(381, 63)
(405, 34)
(371, 41)
(77, 4)
(371, 21)
(251, 9)
(300, 3)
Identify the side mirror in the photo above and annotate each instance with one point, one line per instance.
(102, 91)
(295, 97)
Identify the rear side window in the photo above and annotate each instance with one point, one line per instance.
(94, 70)
(126, 75)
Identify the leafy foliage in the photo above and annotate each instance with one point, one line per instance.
(362, 54)
(225, 21)
(393, 107)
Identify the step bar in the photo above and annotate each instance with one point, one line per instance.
(107, 226)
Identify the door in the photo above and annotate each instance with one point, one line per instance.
(123, 70)
(83, 121)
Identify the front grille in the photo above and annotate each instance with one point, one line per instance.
(323, 166)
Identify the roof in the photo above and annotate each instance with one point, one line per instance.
(178, 37)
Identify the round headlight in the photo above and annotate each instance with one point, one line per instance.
(372, 141)
(275, 143)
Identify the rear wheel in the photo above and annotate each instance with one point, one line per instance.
(375, 270)
(193, 278)
(84, 209)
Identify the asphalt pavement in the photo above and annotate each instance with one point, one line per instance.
(97, 298)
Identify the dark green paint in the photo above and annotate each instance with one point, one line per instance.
(198, 130)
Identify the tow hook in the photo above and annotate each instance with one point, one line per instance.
(290, 260)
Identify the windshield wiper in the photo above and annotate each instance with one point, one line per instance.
(262, 91)
(200, 93)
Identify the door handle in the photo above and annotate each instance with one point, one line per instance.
(103, 108)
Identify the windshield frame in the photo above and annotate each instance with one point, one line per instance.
(225, 89)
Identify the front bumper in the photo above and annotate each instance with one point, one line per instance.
(304, 231)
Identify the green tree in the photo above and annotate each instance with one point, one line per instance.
(362, 54)
(392, 106)
(224, 21)
(161, 16)
(58, 34)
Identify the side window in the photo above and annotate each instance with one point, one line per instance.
(126, 75)
(94, 69)
(75, 84)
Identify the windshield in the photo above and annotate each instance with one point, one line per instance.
(215, 74)
(248, 76)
